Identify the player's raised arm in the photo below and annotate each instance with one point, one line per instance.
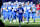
(23, 10)
(12, 8)
(35, 9)
(6, 8)
(17, 11)
(31, 8)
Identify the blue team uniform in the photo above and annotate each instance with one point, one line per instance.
(17, 13)
(9, 8)
(28, 13)
(14, 12)
(20, 10)
(24, 14)
(4, 12)
(33, 13)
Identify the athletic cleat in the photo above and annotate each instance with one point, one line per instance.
(19, 24)
(14, 21)
(4, 20)
(32, 18)
(23, 21)
(34, 21)
(10, 21)
(17, 19)
(27, 22)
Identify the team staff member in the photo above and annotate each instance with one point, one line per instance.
(37, 10)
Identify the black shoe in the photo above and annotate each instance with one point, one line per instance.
(27, 22)
(34, 21)
(19, 25)
(32, 18)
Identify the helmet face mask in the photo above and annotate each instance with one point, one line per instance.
(6, 3)
(33, 5)
(19, 6)
(3, 4)
(9, 2)
(23, 4)
(28, 3)
(12, 3)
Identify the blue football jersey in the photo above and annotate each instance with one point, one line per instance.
(33, 9)
(28, 8)
(3, 8)
(20, 10)
(9, 8)
(31, 5)
(24, 7)
(14, 8)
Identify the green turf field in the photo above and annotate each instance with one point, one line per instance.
(37, 22)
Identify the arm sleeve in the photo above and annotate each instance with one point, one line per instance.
(35, 8)
(17, 10)
(23, 10)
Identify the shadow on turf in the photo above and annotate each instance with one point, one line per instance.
(23, 26)
(1, 24)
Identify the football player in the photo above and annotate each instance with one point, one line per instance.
(9, 8)
(31, 6)
(4, 11)
(14, 12)
(24, 15)
(28, 7)
(33, 12)
(6, 3)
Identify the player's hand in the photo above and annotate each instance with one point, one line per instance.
(17, 12)
(15, 9)
(32, 12)
(1, 11)
(6, 10)
(12, 10)
(29, 10)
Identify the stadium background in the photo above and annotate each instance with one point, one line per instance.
(7, 23)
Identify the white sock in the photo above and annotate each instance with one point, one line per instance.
(10, 21)
(14, 21)
(17, 19)
(4, 20)
(23, 21)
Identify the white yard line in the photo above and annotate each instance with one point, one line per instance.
(32, 21)
(26, 23)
